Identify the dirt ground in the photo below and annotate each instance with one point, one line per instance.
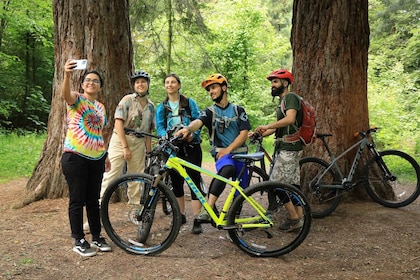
(360, 240)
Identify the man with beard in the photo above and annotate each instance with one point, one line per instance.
(288, 150)
(228, 127)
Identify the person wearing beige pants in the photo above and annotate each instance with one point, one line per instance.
(134, 111)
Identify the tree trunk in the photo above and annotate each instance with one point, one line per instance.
(169, 17)
(330, 41)
(100, 32)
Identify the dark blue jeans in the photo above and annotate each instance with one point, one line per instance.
(84, 177)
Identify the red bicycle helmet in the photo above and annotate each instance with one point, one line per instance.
(214, 79)
(281, 74)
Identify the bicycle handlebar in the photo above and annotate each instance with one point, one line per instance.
(139, 134)
(366, 133)
(166, 146)
(256, 138)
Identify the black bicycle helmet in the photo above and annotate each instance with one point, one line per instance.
(140, 74)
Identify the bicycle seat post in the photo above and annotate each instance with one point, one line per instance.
(324, 142)
(248, 160)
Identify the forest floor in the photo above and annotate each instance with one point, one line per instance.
(360, 240)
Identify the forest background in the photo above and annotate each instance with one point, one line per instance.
(198, 38)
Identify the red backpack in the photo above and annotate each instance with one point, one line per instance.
(306, 133)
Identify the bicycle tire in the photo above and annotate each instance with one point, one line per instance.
(323, 201)
(164, 228)
(403, 178)
(268, 242)
(257, 175)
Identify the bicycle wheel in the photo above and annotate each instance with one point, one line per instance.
(257, 175)
(163, 229)
(323, 201)
(392, 178)
(270, 241)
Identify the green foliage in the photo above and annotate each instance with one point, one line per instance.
(244, 40)
(19, 154)
(393, 73)
(26, 64)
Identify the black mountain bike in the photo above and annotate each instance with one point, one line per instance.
(390, 177)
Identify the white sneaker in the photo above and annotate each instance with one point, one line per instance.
(82, 247)
(101, 244)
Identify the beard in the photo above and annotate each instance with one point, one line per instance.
(219, 98)
(277, 91)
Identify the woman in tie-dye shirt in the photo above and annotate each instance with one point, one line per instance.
(84, 158)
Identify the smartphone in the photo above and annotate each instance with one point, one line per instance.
(81, 64)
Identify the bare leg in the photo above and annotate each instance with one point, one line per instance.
(181, 203)
(292, 211)
(196, 207)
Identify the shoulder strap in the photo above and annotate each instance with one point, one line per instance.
(184, 104)
(213, 121)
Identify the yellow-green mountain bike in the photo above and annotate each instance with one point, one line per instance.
(251, 216)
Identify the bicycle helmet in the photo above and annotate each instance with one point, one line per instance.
(140, 74)
(214, 79)
(281, 74)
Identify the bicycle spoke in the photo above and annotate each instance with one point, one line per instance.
(323, 200)
(154, 230)
(393, 179)
(255, 235)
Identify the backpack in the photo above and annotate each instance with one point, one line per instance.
(184, 108)
(306, 133)
(213, 121)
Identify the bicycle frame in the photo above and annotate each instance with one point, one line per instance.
(257, 140)
(178, 164)
(362, 144)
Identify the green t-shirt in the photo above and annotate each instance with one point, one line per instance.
(291, 101)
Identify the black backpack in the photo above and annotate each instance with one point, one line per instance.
(184, 108)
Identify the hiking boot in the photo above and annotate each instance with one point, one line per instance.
(290, 225)
(100, 243)
(203, 215)
(197, 229)
(82, 247)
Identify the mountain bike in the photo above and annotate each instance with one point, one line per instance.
(390, 177)
(251, 216)
(153, 164)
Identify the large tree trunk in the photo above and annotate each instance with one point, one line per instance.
(100, 32)
(330, 41)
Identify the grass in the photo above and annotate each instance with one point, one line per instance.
(19, 154)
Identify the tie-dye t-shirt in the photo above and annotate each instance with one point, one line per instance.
(85, 121)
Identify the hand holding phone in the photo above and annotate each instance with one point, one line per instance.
(80, 64)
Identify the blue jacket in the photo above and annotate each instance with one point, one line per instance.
(163, 124)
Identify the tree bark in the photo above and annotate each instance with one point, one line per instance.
(330, 41)
(100, 32)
